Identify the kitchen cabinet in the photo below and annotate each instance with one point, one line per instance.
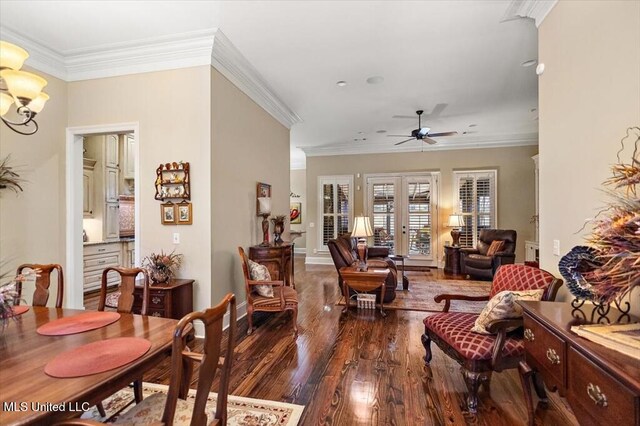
(88, 190)
(111, 151)
(129, 169)
(97, 257)
(111, 221)
(111, 185)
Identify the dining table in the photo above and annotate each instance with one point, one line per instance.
(28, 395)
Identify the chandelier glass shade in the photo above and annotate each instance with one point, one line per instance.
(20, 89)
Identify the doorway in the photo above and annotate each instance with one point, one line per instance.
(76, 207)
(403, 210)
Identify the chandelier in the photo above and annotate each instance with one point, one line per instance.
(20, 88)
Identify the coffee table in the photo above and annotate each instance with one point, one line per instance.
(403, 277)
(363, 282)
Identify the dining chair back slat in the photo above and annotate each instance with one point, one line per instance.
(126, 289)
(43, 282)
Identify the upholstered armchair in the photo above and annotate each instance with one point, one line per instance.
(480, 262)
(343, 253)
(481, 354)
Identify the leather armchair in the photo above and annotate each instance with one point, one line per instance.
(343, 253)
(475, 262)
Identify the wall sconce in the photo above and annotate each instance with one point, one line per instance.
(21, 88)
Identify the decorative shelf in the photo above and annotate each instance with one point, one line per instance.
(173, 182)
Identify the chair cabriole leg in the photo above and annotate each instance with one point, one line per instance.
(426, 342)
(473, 381)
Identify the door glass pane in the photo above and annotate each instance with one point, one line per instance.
(419, 213)
(383, 215)
(328, 229)
(327, 198)
(343, 198)
(343, 225)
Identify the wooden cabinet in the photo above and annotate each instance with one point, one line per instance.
(110, 185)
(278, 258)
(111, 151)
(97, 257)
(111, 221)
(129, 167)
(601, 385)
(88, 188)
(452, 260)
(173, 299)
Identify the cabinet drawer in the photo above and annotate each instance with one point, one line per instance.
(156, 299)
(155, 312)
(596, 397)
(102, 262)
(546, 352)
(101, 249)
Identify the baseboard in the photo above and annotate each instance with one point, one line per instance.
(301, 250)
(241, 311)
(316, 260)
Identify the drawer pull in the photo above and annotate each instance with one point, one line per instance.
(102, 262)
(528, 335)
(156, 300)
(596, 395)
(102, 249)
(156, 314)
(553, 356)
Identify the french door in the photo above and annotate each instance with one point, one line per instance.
(403, 211)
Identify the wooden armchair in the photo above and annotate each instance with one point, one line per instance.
(159, 407)
(480, 354)
(285, 298)
(43, 282)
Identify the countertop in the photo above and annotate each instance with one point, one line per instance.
(119, 240)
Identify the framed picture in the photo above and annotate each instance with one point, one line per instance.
(295, 213)
(168, 213)
(184, 215)
(263, 190)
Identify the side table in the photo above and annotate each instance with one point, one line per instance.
(404, 279)
(362, 281)
(452, 260)
(173, 299)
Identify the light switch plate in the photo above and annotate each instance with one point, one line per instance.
(176, 238)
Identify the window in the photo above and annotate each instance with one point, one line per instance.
(475, 199)
(335, 205)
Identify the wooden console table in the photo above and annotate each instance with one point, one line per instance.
(278, 258)
(173, 299)
(601, 385)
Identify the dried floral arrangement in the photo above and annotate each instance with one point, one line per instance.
(162, 267)
(9, 295)
(9, 179)
(616, 232)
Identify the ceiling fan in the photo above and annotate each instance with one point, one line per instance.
(422, 133)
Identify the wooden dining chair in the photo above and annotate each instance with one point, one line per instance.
(122, 301)
(43, 282)
(164, 408)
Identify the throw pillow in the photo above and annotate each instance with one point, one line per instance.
(502, 306)
(496, 246)
(258, 272)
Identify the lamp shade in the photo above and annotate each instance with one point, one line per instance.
(5, 103)
(12, 56)
(456, 221)
(264, 205)
(362, 227)
(23, 85)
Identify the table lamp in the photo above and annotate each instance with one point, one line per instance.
(362, 231)
(264, 210)
(456, 221)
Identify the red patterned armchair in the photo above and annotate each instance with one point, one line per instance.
(481, 354)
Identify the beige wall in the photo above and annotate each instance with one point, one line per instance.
(299, 187)
(32, 223)
(173, 112)
(516, 188)
(589, 95)
(248, 146)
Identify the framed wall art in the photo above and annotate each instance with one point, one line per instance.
(184, 215)
(168, 213)
(295, 213)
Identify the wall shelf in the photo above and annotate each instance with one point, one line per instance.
(173, 182)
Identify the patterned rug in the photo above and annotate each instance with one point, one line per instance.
(241, 411)
(423, 288)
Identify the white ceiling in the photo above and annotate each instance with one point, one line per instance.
(431, 52)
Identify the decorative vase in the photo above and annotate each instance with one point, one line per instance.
(159, 276)
(278, 229)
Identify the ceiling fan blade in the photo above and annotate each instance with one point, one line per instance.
(399, 136)
(436, 111)
(429, 141)
(437, 135)
(413, 117)
(400, 143)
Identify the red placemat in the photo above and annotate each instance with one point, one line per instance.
(97, 357)
(78, 323)
(19, 310)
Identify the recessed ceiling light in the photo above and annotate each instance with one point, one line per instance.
(529, 63)
(341, 83)
(381, 131)
(472, 125)
(376, 79)
(533, 109)
(361, 133)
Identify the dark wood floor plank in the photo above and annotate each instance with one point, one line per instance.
(358, 368)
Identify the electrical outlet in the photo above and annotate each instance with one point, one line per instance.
(176, 238)
(556, 247)
(312, 225)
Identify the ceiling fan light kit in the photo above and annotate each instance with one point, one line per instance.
(422, 133)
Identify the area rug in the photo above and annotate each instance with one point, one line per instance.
(241, 411)
(423, 288)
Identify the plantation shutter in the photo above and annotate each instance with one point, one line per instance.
(336, 205)
(475, 195)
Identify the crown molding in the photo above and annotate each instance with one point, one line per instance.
(534, 9)
(227, 59)
(195, 48)
(450, 144)
(297, 164)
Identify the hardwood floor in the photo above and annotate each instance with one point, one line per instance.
(362, 369)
